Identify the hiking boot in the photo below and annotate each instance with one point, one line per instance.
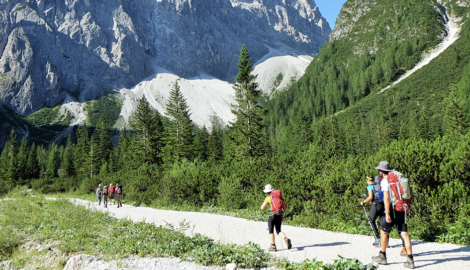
(376, 243)
(380, 259)
(288, 243)
(409, 263)
(403, 252)
(272, 248)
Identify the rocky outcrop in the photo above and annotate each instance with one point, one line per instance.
(83, 48)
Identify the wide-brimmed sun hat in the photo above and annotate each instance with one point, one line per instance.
(384, 166)
(268, 188)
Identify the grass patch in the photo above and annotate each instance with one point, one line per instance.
(81, 230)
(44, 116)
(108, 106)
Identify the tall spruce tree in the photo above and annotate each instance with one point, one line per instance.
(54, 161)
(32, 165)
(148, 127)
(67, 161)
(92, 158)
(121, 150)
(82, 150)
(104, 141)
(22, 159)
(247, 133)
(9, 163)
(214, 146)
(200, 144)
(179, 141)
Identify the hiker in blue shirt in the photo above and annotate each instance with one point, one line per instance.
(377, 208)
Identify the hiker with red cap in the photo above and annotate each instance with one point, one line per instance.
(397, 202)
(276, 215)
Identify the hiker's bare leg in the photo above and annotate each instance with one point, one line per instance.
(384, 241)
(406, 238)
(271, 236)
(283, 235)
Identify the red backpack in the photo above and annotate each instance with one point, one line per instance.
(278, 205)
(400, 192)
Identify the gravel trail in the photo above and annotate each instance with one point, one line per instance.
(307, 243)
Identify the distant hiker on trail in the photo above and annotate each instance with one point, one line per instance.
(111, 193)
(276, 214)
(397, 202)
(377, 207)
(99, 191)
(118, 195)
(105, 196)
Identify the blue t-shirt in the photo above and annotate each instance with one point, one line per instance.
(371, 187)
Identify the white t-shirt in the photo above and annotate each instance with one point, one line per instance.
(384, 184)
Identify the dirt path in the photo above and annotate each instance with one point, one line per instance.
(307, 243)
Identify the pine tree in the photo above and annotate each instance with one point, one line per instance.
(121, 150)
(104, 141)
(214, 145)
(247, 133)
(93, 156)
(54, 162)
(179, 141)
(10, 169)
(32, 165)
(67, 161)
(456, 122)
(22, 159)
(149, 130)
(82, 150)
(200, 144)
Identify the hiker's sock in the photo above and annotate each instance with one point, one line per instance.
(410, 256)
(385, 254)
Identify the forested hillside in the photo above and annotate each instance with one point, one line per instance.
(366, 54)
(318, 157)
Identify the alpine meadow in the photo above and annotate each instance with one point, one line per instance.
(316, 140)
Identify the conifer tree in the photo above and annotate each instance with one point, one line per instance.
(247, 133)
(67, 161)
(54, 161)
(93, 156)
(104, 140)
(214, 146)
(456, 121)
(179, 140)
(149, 130)
(10, 169)
(200, 144)
(121, 150)
(22, 159)
(82, 151)
(32, 165)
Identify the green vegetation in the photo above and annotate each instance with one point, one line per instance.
(20, 7)
(23, 216)
(108, 106)
(48, 116)
(41, 220)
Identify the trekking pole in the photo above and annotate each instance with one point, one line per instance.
(370, 222)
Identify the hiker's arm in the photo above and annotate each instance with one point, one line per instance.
(263, 206)
(387, 206)
(371, 196)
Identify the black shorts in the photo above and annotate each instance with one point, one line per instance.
(398, 220)
(274, 221)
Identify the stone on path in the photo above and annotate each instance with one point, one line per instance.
(231, 266)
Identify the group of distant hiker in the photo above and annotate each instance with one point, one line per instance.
(390, 196)
(113, 192)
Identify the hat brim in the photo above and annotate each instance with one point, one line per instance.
(267, 191)
(384, 169)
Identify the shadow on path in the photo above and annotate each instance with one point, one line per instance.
(441, 252)
(324, 245)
